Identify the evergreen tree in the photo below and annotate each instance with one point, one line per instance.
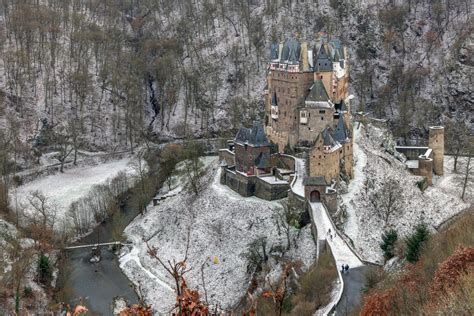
(389, 238)
(44, 268)
(415, 242)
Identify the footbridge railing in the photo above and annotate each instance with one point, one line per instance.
(112, 243)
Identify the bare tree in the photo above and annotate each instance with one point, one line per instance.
(465, 177)
(64, 141)
(457, 139)
(74, 131)
(286, 219)
(42, 208)
(193, 167)
(139, 165)
(187, 301)
(387, 200)
(21, 260)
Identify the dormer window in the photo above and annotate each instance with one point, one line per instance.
(303, 117)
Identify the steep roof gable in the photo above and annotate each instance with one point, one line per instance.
(318, 92)
(341, 134)
(254, 136)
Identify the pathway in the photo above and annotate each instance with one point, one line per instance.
(300, 173)
(353, 281)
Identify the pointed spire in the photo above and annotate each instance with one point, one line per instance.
(341, 134)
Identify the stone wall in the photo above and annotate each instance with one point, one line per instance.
(347, 151)
(324, 164)
(330, 200)
(298, 201)
(245, 156)
(241, 184)
(327, 78)
(227, 156)
(267, 191)
(281, 139)
(283, 161)
(425, 169)
(317, 120)
(291, 89)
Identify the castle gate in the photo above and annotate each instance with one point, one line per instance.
(315, 196)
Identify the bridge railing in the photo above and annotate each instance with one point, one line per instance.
(112, 243)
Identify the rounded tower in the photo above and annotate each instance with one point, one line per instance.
(436, 143)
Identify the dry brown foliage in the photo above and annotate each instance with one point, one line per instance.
(449, 271)
(136, 310)
(378, 303)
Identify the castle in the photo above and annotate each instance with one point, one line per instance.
(306, 110)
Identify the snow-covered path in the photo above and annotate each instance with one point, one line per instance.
(300, 173)
(352, 228)
(340, 250)
(342, 255)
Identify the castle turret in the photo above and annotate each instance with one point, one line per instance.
(436, 143)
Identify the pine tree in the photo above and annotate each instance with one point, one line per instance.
(389, 239)
(44, 269)
(415, 242)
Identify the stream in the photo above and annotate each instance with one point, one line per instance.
(96, 284)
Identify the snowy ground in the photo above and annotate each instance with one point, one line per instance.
(372, 167)
(64, 188)
(300, 173)
(221, 225)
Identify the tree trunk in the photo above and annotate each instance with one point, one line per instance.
(466, 178)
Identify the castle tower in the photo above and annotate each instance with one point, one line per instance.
(436, 143)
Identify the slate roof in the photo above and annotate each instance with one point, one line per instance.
(262, 161)
(291, 51)
(274, 51)
(274, 99)
(323, 61)
(328, 140)
(317, 92)
(341, 134)
(314, 181)
(337, 47)
(254, 136)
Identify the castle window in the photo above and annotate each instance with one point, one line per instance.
(319, 164)
(322, 111)
(319, 157)
(322, 118)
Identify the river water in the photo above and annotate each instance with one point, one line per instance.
(96, 284)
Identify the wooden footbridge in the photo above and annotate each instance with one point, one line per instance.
(112, 243)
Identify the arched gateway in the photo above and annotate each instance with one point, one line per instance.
(315, 196)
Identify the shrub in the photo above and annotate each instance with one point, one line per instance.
(422, 184)
(415, 242)
(389, 239)
(27, 291)
(44, 269)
